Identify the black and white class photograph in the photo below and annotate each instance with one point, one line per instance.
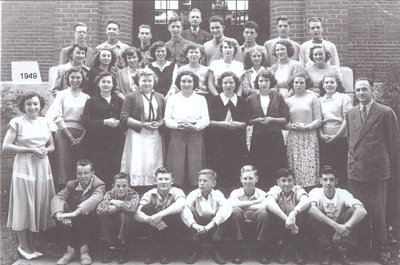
(200, 132)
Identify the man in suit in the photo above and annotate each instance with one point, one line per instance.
(80, 34)
(373, 136)
(195, 33)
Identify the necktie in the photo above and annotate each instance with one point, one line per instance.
(364, 113)
(194, 33)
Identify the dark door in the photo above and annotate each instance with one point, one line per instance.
(235, 12)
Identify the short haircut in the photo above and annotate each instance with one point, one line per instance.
(113, 22)
(75, 70)
(327, 53)
(96, 61)
(251, 25)
(301, 74)
(174, 19)
(209, 172)
(230, 42)
(369, 80)
(217, 18)
(193, 46)
(327, 169)
(130, 52)
(155, 46)
(195, 10)
(247, 57)
(102, 74)
(284, 173)
(28, 95)
(79, 24)
(248, 168)
(266, 73)
(84, 163)
(287, 44)
(162, 170)
(145, 72)
(339, 88)
(72, 49)
(144, 26)
(122, 175)
(313, 19)
(227, 74)
(283, 18)
(193, 75)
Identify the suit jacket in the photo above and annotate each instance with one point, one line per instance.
(64, 56)
(133, 106)
(123, 85)
(74, 198)
(372, 143)
(202, 36)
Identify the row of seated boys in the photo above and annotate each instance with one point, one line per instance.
(280, 215)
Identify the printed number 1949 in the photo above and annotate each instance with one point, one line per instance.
(28, 75)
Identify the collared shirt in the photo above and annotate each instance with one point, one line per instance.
(154, 198)
(226, 100)
(118, 49)
(130, 202)
(177, 50)
(192, 109)
(335, 207)
(215, 207)
(368, 106)
(304, 54)
(287, 203)
(240, 195)
(80, 188)
(333, 110)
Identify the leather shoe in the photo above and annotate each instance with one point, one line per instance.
(23, 254)
(282, 258)
(300, 260)
(165, 260)
(345, 260)
(383, 257)
(218, 257)
(109, 256)
(264, 260)
(193, 258)
(67, 257)
(237, 260)
(122, 255)
(86, 259)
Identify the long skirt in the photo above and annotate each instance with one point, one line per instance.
(303, 157)
(31, 191)
(65, 157)
(186, 156)
(142, 155)
(268, 155)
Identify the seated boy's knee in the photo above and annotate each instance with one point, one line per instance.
(237, 212)
(262, 213)
(126, 216)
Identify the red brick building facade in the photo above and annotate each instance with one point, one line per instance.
(366, 33)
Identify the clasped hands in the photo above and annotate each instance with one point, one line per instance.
(291, 223)
(186, 126)
(230, 125)
(152, 125)
(112, 122)
(340, 232)
(264, 120)
(299, 127)
(200, 229)
(66, 218)
(40, 152)
(156, 221)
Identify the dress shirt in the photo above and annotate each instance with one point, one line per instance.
(287, 203)
(129, 205)
(368, 106)
(239, 195)
(215, 207)
(191, 109)
(84, 191)
(333, 110)
(154, 198)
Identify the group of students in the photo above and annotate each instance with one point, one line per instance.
(276, 220)
(187, 106)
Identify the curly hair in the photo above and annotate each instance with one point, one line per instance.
(266, 74)
(179, 77)
(287, 44)
(103, 74)
(339, 83)
(193, 46)
(145, 72)
(303, 75)
(327, 53)
(72, 49)
(155, 46)
(230, 42)
(130, 52)
(75, 70)
(96, 61)
(227, 74)
(247, 57)
(28, 95)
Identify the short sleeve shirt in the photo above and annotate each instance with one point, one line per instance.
(287, 203)
(335, 207)
(154, 198)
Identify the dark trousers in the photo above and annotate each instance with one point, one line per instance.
(82, 230)
(215, 235)
(373, 195)
(164, 239)
(335, 155)
(324, 233)
(278, 232)
(117, 227)
(244, 224)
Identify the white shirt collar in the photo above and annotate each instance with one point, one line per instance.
(368, 105)
(225, 99)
